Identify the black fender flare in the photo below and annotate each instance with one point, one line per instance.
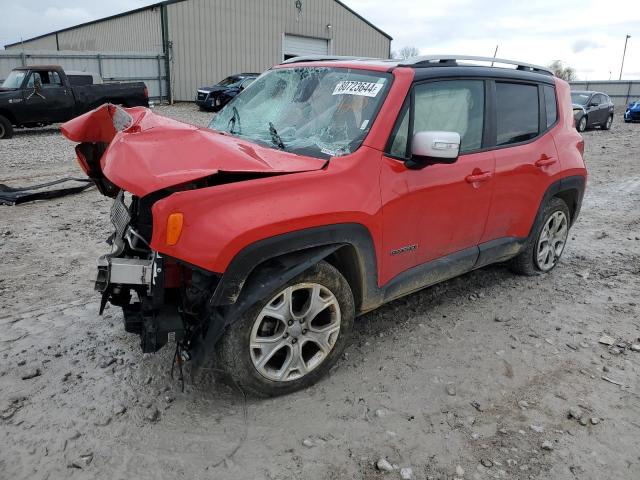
(297, 247)
(557, 189)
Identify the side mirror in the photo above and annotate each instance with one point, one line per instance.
(428, 148)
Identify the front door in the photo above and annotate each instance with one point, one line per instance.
(53, 102)
(442, 208)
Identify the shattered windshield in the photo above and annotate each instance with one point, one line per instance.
(316, 111)
(14, 80)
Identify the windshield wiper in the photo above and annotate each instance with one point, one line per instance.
(235, 119)
(275, 138)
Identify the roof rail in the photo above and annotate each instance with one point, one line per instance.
(452, 60)
(323, 58)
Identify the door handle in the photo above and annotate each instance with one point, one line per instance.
(478, 177)
(545, 161)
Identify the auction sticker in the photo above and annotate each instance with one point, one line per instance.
(363, 89)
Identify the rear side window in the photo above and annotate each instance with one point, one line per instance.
(517, 112)
(550, 104)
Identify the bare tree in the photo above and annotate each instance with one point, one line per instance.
(562, 71)
(406, 52)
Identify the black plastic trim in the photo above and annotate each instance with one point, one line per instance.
(256, 254)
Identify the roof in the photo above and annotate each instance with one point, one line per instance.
(39, 67)
(168, 2)
(434, 65)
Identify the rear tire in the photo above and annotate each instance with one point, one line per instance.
(607, 125)
(546, 242)
(271, 351)
(581, 126)
(6, 129)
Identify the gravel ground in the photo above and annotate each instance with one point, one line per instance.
(473, 378)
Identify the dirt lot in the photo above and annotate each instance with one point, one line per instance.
(473, 378)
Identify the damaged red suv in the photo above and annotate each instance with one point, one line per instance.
(325, 189)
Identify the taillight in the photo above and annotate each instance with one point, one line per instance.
(174, 228)
(581, 147)
(84, 165)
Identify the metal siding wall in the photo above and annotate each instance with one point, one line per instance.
(215, 38)
(130, 66)
(140, 31)
(620, 91)
(44, 43)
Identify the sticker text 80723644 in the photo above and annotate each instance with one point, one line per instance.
(365, 89)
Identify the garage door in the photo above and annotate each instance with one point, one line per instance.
(295, 45)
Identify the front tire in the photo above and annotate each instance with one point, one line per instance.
(547, 241)
(289, 339)
(6, 129)
(607, 125)
(582, 124)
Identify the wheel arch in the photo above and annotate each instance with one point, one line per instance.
(568, 189)
(348, 247)
(8, 115)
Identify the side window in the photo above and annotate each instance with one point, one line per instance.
(54, 80)
(451, 106)
(596, 100)
(398, 142)
(32, 79)
(550, 104)
(517, 112)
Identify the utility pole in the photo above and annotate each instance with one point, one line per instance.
(494, 54)
(623, 54)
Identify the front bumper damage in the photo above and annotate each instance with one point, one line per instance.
(162, 300)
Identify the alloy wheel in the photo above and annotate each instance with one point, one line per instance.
(609, 122)
(295, 332)
(552, 240)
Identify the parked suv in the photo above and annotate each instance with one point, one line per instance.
(592, 109)
(217, 96)
(325, 189)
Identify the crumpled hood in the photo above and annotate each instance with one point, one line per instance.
(148, 152)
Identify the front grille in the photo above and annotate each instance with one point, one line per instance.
(120, 216)
(202, 96)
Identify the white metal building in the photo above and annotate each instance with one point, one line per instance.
(207, 40)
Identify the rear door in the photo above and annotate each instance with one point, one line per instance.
(440, 209)
(525, 155)
(598, 110)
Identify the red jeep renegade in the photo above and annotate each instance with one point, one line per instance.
(326, 188)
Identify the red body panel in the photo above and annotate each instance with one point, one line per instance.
(437, 209)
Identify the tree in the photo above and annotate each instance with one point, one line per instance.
(562, 71)
(406, 52)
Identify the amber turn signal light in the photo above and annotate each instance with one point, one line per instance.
(174, 228)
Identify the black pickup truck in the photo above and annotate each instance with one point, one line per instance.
(34, 96)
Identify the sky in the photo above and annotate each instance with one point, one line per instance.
(587, 35)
